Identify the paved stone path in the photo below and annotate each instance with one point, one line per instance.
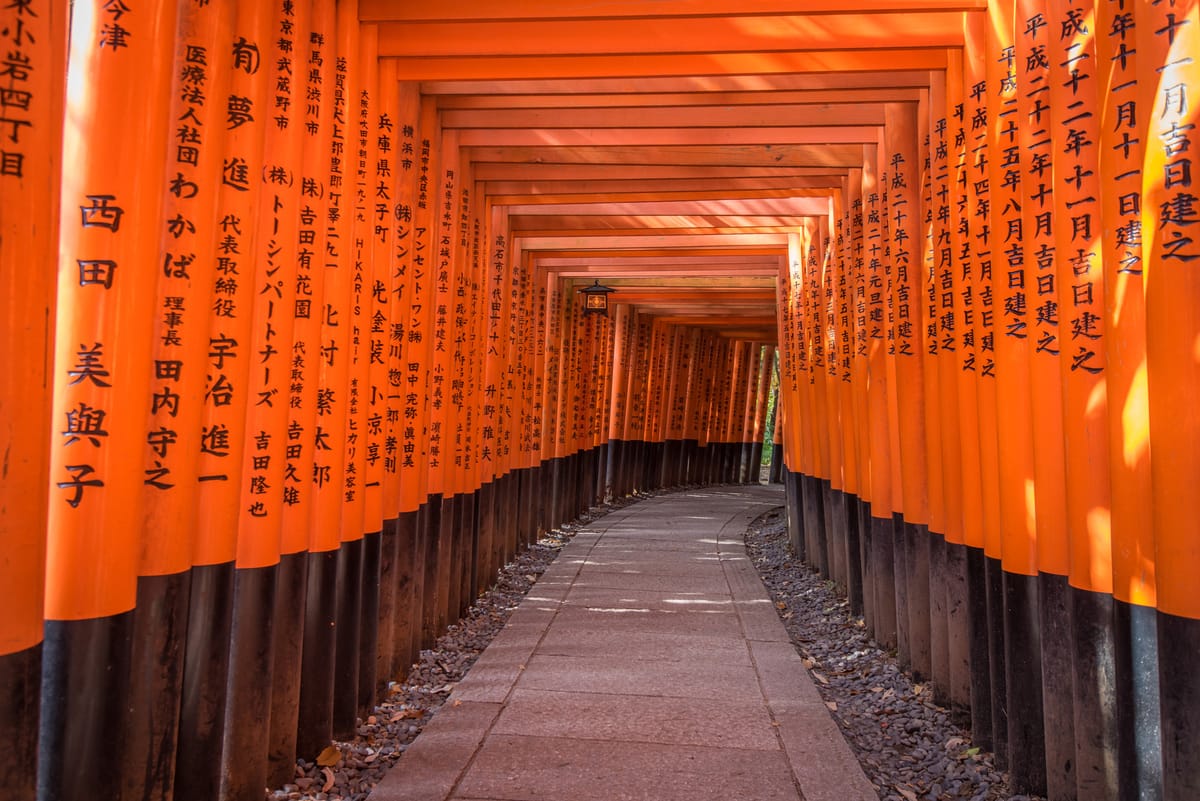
(647, 664)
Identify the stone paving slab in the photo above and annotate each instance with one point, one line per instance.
(515, 768)
(648, 664)
(645, 677)
(712, 721)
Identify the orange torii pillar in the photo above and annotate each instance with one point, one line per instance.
(532, 295)
(976, 398)
(1064, 377)
(777, 466)
(1168, 39)
(552, 335)
(880, 534)
(674, 401)
(1124, 133)
(904, 253)
(791, 362)
(103, 378)
(386, 345)
(935, 198)
(944, 325)
(756, 412)
(689, 415)
(496, 495)
(618, 397)
(30, 175)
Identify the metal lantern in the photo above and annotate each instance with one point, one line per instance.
(595, 298)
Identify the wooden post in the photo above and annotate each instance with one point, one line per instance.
(1168, 74)
(1123, 135)
(30, 176)
(112, 204)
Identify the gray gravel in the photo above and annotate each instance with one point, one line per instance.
(909, 747)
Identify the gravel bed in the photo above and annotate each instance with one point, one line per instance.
(348, 771)
(908, 746)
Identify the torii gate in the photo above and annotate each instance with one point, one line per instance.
(314, 318)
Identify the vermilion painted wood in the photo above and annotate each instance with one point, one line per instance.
(809, 98)
(706, 35)
(411, 10)
(766, 112)
(432, 68)
(762, 155)
(698, 84)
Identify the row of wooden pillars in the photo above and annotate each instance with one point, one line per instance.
(984, 348)
(291, 398)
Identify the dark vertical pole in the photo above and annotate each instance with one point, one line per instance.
(156, 684)
(1023, 683)
(285, 674)
(1058, 690)
(980, 653)
(248, 698)
(997, 655)
(1140, 745)
(368, 640)
(314, 729)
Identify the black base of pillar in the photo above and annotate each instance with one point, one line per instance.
(1178, 645)
(997, 656)
(883, 569)
(1058, 687)
(248, 703)
(1023, 683)
(155, 686)
(980, 656)
(314, 728)
(1093, 666)
(285, 676)
(939, 620)
(83, 710)
(368, 636)
(901, 544)
(347, 632)
(406, 624)
(958, 640)
(20, 697)
(1139, 720)
(205, 671)
(917, 546)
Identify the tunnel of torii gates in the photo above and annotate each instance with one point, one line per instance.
(311, 362)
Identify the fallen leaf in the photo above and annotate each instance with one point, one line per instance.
(445, 688)
(909, 794)
(819, 677)
(325, 788)
(808, 663)
(972, 751)
(407, 714)
(832, 705)
(371, 757)
(457, 702)
(876, 689)
(330, 756)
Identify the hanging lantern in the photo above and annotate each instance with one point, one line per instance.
(595, 298)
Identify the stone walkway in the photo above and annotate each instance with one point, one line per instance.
(647, 664)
